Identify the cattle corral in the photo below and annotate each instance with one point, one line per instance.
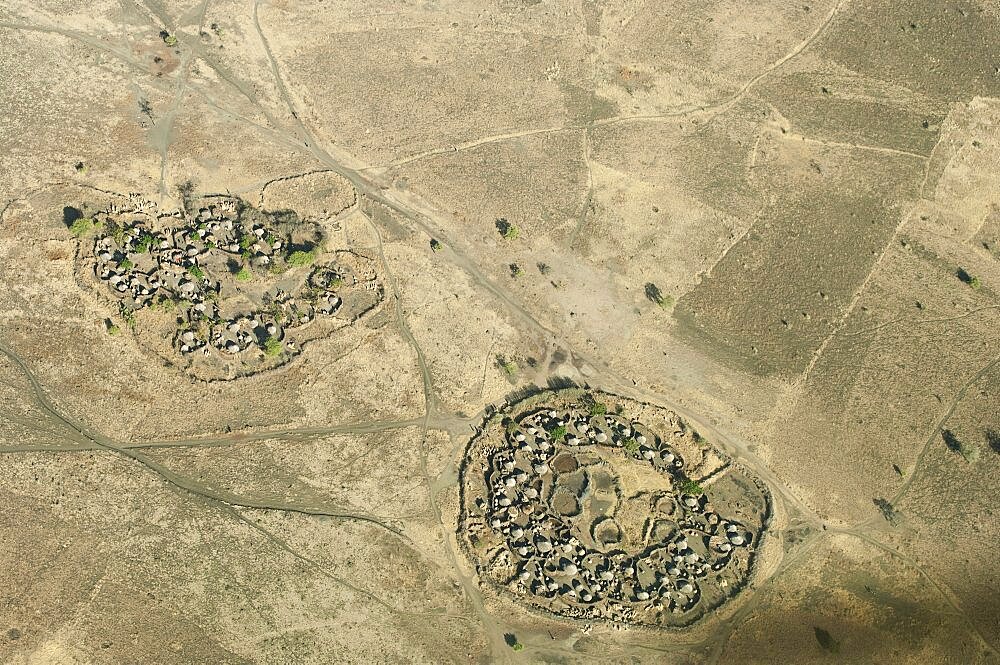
(595, 507)
(233, 289)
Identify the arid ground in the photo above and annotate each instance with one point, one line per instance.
(779, 221)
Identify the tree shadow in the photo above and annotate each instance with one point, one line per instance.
(70, 215)
(826, 641)
(951, 441)
(888, 511)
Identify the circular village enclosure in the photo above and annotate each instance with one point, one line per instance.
(596, 507)
(221, 288)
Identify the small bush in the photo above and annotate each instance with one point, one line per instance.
(631, 446)
(113, 329)
(170, 40)
(436, 245)
(688, 486)
(163, 304)
(244, 275)
(598, 409)
(126, 265)
(196, 272)
(146, 243)
(509, 367)
(116, 231)
(128, 315)
(968, 278)
(658, 297)
(558, 432)
(300, 258)
(507, 230)
(273, 346)
(516, 270)
(513, 642)
(969, 451)
(82, 226)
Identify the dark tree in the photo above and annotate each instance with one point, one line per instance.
(993, 438)
(890, 514)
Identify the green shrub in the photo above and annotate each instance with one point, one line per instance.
(517, 646)
(116, 231)
(509, 367)
(126, 265)
(170, 40)
(631, 446)
(163, 304)
(273, 346)
(82, 226)
(145, 244)
(516, 270)
(598, 409)
(558, 432)
(196, 272)
(113, 329)
(436, 245)
(300, 258)
(244, 275)
(688, 486)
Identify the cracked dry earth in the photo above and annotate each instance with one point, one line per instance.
(778, 222)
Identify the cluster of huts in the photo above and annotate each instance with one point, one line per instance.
(559, 563)
(187, 267)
